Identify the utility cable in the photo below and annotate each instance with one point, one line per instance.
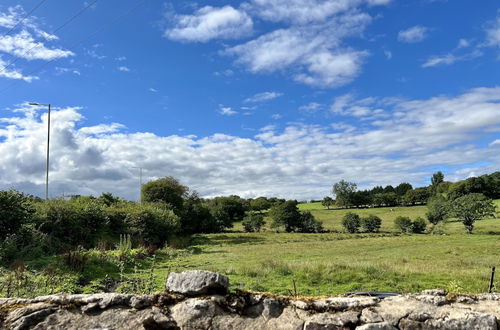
(25, 16)
(14, 60)
(103, 27)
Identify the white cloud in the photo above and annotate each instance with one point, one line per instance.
(450, 58)
(262, 97)
(153, 90)
(304, 11)
(276, 116)
(61, 70)
(463, 43)
(226, 111)
(300, 161)
(11, 73)
(24, 45)
(414, 34)
(120, 58)
(388, 54)
(493, 33)
(209, 23)
(313, 53)
(311, 107)
(123, 69)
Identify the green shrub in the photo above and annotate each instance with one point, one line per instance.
(351, 222)
(15, 209)
(308, 224)
(418, 225)
(439, 209)
(150, 224)
(166, 190)
(371, 223)
(253, 223)
(403, 224)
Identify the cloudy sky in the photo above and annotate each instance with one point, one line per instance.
(254, 97)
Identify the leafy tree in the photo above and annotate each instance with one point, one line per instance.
(196, 216)
(351, 222)
(15, 210)
(260, 204)
(402, 188)
(108, 199)
(253, 222)
(418, 225)
(327, 202)
(165, 190)
(343, 190)
(416, 196)
(371, 223)
(285, 215)
(308, 224)
(389, 189)
(436, 179)
(403, 224)
(438, 209)
(472, 207)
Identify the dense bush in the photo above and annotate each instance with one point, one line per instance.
(253, 222)
(287, 215)
(371, 223)
(15, 210)
(148, 224)
(418, 225)
(351, 222)
(403, 224)
(308, 224)
(75, 222)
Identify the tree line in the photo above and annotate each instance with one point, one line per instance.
(347, 195)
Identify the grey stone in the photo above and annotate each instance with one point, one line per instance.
(197, 282)
(370, 316)
(376, 326)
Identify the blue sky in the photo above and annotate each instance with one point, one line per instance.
(256, 97)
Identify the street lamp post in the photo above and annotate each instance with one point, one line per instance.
(48, 149)
(140, 183)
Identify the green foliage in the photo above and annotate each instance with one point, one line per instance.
(418, 225)
(75, 222)
(149, 224)
(288, 215)
(260, 204)
(403, 224)
(436, 179)
(327, 202)
(439, 209)
(15, 210)
(308, 224)
(165, 190)
(253, 222)
(124, 246)
(402, 188)
(225, 211)
(416, 196)
(196, 217)
(472, 207)
(343, 191)
(351, 222)
(371, 223)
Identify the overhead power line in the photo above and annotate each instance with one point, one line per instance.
(98, 30)
(24, 18)
(71, 19)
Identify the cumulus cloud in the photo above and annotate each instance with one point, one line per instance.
(28, 42)
(209, 23)
(311, 107)
(314, 52)
(262, 97)
(300, 161)
(123, 69)
(414, 34)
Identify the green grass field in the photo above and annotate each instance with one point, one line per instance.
(336, 262)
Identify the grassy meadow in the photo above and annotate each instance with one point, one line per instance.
(322, 264)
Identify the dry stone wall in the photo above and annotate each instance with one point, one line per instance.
(214, 308)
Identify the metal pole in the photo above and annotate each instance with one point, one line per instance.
(492, 280)
(47, 165)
